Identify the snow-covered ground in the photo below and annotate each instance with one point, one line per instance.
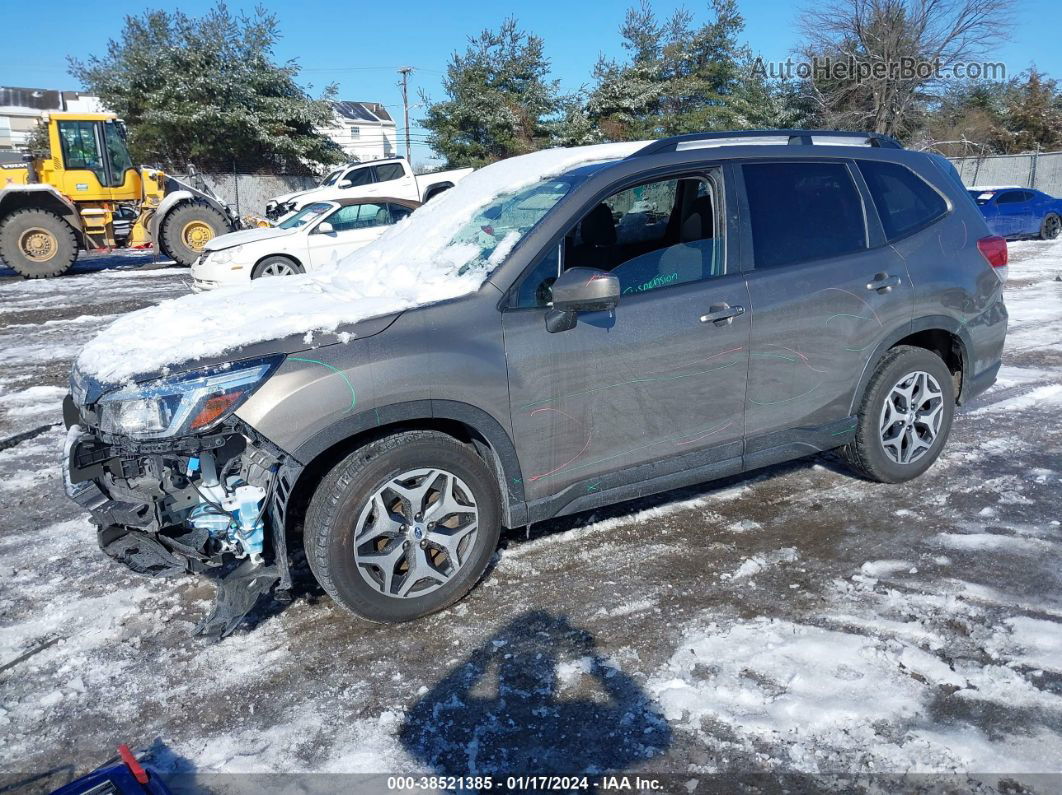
(796, 621)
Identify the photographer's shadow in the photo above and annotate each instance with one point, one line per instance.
(535, 699)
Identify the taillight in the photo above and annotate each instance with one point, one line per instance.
(994, 250)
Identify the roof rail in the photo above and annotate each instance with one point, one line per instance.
(705, 140)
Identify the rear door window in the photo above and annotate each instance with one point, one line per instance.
(389, 172)
(905, 202)
(803, 211)
(399, 211)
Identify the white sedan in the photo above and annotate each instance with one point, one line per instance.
(316, 235)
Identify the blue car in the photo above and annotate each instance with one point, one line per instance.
(1020, 212)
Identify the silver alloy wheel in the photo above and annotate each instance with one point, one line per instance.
(416, 532)
(911, 417)
(278, 269)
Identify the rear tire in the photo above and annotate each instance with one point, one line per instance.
(188, 227)
(1051, 227)
(37, 244)
(343, 509)
(895, 444)
(276, 266)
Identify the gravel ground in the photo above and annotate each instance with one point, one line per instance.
(795, 622)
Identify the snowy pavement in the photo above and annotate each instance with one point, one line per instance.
(795, 621)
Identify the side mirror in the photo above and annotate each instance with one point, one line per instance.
(324, 228)
(581, 290)
(344, 183)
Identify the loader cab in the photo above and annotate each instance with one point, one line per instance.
(90, 159)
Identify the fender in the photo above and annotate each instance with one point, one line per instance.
(927, 323)
(506, 462)
(50, 198)
(186, 193)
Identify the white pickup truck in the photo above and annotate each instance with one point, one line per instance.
(391, 178)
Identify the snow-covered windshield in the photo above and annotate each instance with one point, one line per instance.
(499, 226)
(331, 178)
(439, 252)
(308, 214)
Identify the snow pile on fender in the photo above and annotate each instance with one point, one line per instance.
(410, 265)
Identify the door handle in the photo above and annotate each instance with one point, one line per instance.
(722, 314)
(883, 282)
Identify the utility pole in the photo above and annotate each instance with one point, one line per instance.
(404, 71)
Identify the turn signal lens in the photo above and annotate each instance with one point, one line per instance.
(213, 409)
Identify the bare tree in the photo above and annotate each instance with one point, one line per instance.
(876, 60)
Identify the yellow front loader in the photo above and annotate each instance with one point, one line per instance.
(89, 195)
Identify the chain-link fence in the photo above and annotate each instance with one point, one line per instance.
(1042, 170)
(248, 193)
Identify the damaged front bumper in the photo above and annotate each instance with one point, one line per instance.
(214, 504)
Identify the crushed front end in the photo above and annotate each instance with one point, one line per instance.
(176, 483)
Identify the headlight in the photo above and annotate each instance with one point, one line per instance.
(225, 255)
(181, 404)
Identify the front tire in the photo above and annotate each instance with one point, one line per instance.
(404, 526)
(905, 416)
(1051, 227)
(37, 244)
(188, 227)
(276, 266)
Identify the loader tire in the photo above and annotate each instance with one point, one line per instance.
(188, 227)
(37, 244)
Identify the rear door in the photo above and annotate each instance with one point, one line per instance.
(824, 290)
(658, 386)
(392, 179)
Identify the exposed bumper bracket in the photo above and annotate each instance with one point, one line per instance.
(238, 592)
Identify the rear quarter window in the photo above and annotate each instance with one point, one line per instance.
(905, 201)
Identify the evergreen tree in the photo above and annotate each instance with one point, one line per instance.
(1033, 117)
(682, 77)
(207, 91)
(500, 100)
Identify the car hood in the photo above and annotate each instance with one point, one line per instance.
(295, 194)
(246, 236)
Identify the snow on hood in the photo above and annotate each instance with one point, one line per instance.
(245, 236)
(411, 264)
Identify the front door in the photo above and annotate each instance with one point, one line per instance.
(353, 226)
(85, 174)
(824, 293)
(654, 388)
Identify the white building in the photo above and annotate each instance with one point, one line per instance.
(365, 130)
(20, 108)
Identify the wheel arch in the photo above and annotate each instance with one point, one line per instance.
(42, 197)
(174, 200)
(436, 188)
(943, 335)
(282, 254)
(464, 422)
